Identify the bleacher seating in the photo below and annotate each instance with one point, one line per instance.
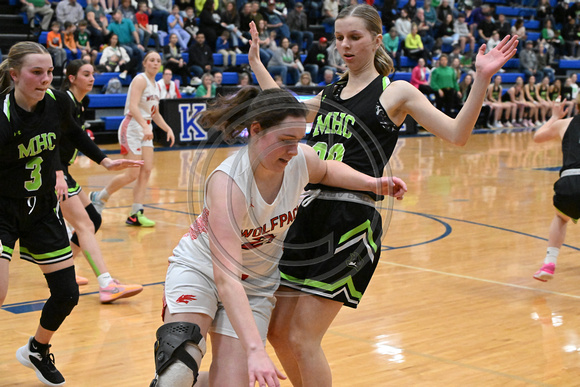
(113, 122)
(230, 78)
(99, 101)
(102, 79)
(401, 76)
(513, 63)
(515, 11)
(509, 77)
(569, 63)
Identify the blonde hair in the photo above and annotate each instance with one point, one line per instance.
(14, 60)
(373, 23)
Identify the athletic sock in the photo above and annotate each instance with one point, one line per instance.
(136, 208)
(103, 195)
(39, 347)
(104, 280)
(552, 255)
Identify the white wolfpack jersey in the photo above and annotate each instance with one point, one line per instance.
(261, 232)
(149, 102)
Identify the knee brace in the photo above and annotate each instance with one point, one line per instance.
(95, 218)
(172, 339)
(64, 296)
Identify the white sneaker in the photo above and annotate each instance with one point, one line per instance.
(195, 81)
(237, 50)
(97, 203)
(498, 125)
(123, 75)
(244, 40)
(538, 123)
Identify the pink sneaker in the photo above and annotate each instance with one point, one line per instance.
(116, 290)
(546, 272)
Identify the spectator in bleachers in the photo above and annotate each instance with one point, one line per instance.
(544, 97)
(97, 23)
(465, 88)
(485, 28)
(392, 44)
(329, 12)
(515, 94)
(55, 46)
(456, 66)
(431, 17)
(297, 59)
(145, 29)
(167, 87)
(444, 84)
(493, 100)
(207, 89)
(424, 31)
(246, 18)
(160, 12)
(305, 80)
(328, 78)
(200, 57)
(335, 60)
(69, 10)
(297, 21)
(256, 14)
(571, 38)
(555, 91)
(72, 52)
(82, 39)
(544, 63)
(243, 79)
(116, 59)
(189, 22)
(492, 42)
(531, 96)
(265, 51)
(455, 53)
(218, 78)
(444, 9)
(175, 25)
(519, 29)
(388, 13)
(230, 20)
(447, 33)
(275, 21)
(419, 77)
(38, 7)
(411, 8)
(529, 61)
(560, 14)
(128, 10)
(173, 59)
(317, 59)
(414, 46)
(477, 16)
(222, 46)
(403, 25)
(554, 42)
(461, 28)
(128, 37)
(208, 24)
(570, 92)
(282, 63)
(502, 26)
(545, 11)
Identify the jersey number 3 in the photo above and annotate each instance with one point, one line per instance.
(336, 152)
(35, 177)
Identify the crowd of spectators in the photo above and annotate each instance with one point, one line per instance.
(441, 36)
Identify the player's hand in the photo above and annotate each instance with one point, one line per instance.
(147, 134)
(263, 371)
(392, 186)
(117, 165)
(560, 109)
(490, 63)
(254, 52)
(61, 186)
(170, 137)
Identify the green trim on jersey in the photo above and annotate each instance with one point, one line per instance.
(386, 82)
(7, 106)
(324, 286)
(49, 92)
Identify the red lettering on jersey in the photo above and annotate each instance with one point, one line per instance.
(185, 298)
(200, 225)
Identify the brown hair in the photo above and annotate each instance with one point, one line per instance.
(383, 62)
(232, 114)
(15, 59)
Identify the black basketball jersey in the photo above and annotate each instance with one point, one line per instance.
(29, 144)
(495, 92)
(571, 145)
(356, 131)
(68, 152)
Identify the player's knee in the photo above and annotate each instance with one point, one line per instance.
(179, 349)
(95, 217)
(277, 337)
(64, 296)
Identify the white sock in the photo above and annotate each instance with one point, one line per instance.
(103, 195)
(552, 255)
(104, 280)
(136, 208)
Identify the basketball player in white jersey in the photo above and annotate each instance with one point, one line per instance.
(136, 139)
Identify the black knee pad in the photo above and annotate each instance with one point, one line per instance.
(95, 218)
(170, 346)
(64, 296)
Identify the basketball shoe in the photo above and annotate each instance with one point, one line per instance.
(116, 290)
(138, 219)
(546, 272)
(42, 362)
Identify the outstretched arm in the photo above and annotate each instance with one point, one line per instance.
(405, 99)
(337, 174)
(556, 126)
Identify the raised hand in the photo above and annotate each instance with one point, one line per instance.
(490, 63)
(254, 52)
(560, 109)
